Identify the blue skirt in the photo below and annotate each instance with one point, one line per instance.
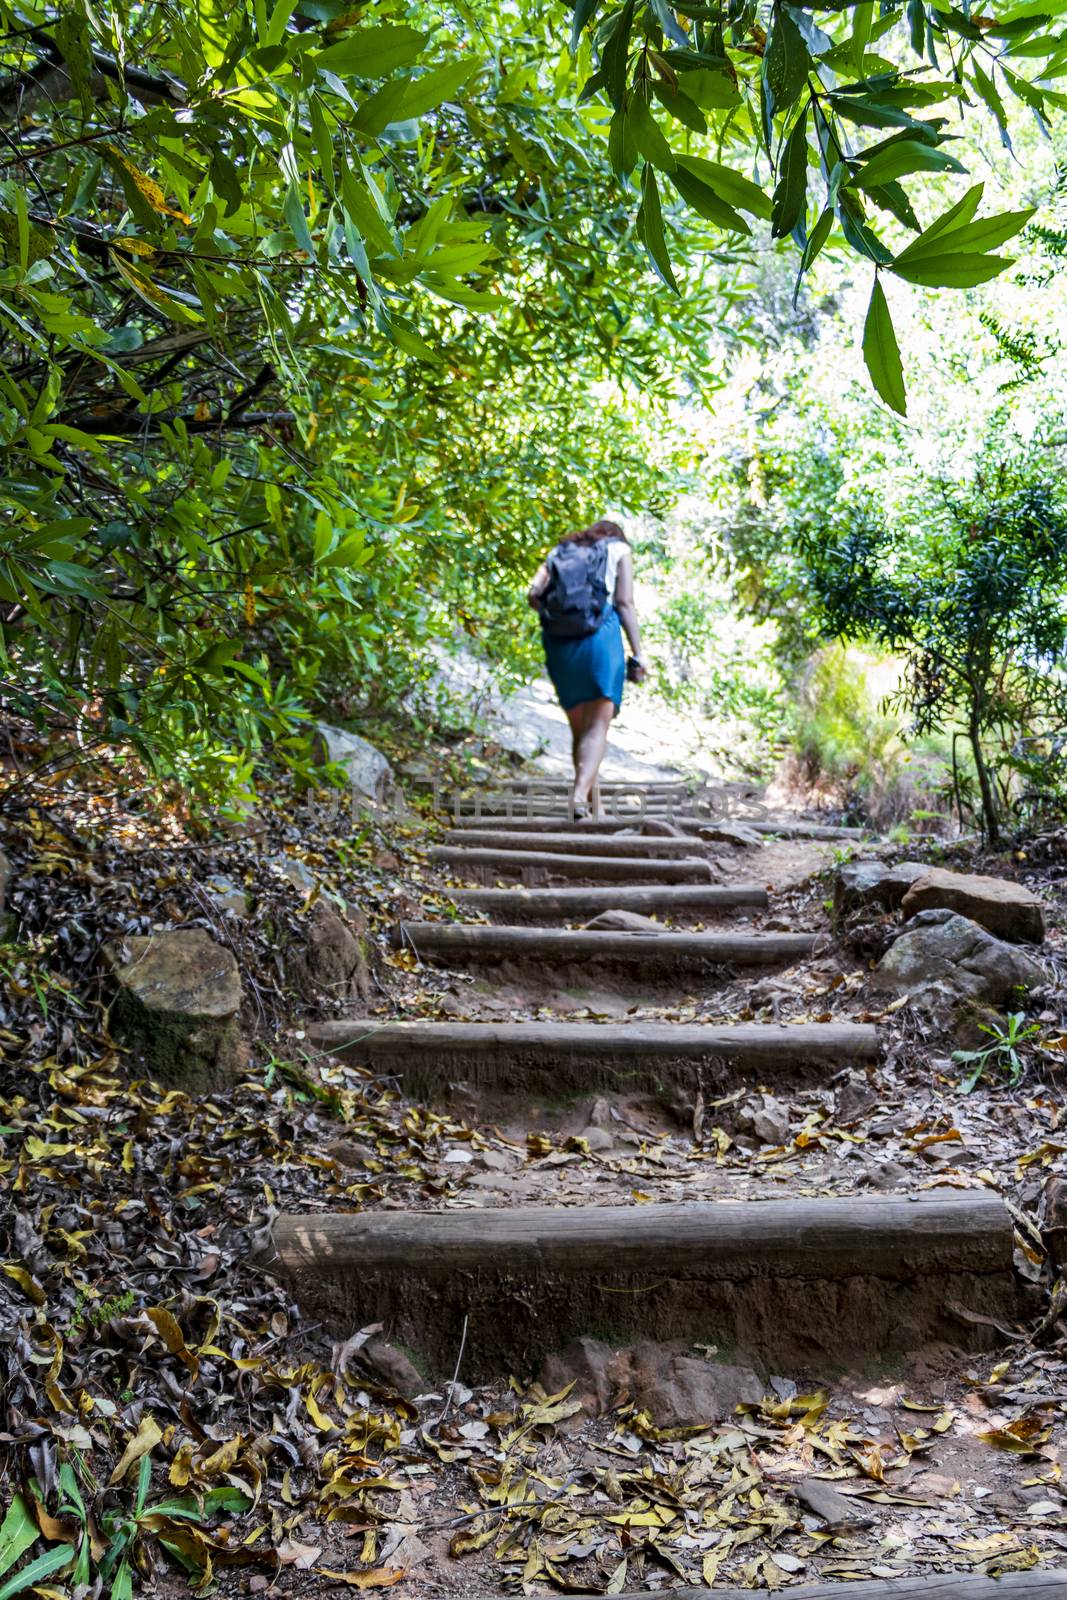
(590, 668)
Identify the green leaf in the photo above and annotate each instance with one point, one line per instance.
(989, 93)
(862, 21)
(817, 238)
(406, 99)
(790, 195)
(17, 1532)
(873, 113)
(957, 231)
(42, 1566)
(681, 107)
(584, 11)
(293, 211)
(622, 151)
(900, 157)
(650, 226)
(615, 54)
(856, 230)
(786, 63)
(881, 352)
(648, 138)
(373, 52)
(951, 271)
(706, 203)
(712, 88)
(728, 185)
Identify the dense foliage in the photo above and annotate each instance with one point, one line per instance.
(309, 332)
(317, 324)
(977, 611)
(777, 84)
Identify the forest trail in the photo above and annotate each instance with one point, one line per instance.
(613, 1052)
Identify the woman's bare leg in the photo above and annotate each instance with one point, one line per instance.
(576, 716)
(592, 743)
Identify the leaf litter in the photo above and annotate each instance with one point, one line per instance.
(168, 1414)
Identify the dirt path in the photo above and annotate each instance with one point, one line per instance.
(899, 1420)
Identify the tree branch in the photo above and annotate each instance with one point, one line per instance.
(128, 425)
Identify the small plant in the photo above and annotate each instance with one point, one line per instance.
(98, 1314)
(1002, 1054)
(110, 1544)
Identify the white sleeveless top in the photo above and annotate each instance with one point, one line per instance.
(616, 550)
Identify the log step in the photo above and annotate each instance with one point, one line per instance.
(567, 904)
(575, 843)
(562, 1058)
(601, 868)
(1050, 1584)
(549, 822)
(670, 951)
(782, 1282)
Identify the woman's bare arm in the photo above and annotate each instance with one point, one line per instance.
(538, 586)
(624, 605)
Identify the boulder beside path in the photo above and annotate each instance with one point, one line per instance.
(177, 1005)
(940, 955)
(1000, 905)
(874, 883)
(369, 772)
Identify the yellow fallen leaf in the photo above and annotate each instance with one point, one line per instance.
(26, 1282)
(166, 1325)
(143, 1442)
(181, 1468)
(377, 1578)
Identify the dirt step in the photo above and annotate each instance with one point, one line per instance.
(563, 1058)
(802, 1284)
(1048, 1585)
(565, 905)
(574, 844)
(545, 864)
(669, 952)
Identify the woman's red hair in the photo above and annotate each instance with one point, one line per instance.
(592, 535)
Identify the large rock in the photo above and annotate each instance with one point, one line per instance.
(325, 957)
(1005, 908)
(735, 833)
(624, 922)
(872, 883)
(177, 1005)
(369, 772)
(675, 1389)
(938, 954)
(680, 1391)
(591, 1366)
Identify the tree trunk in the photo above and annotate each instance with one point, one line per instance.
(990, 814)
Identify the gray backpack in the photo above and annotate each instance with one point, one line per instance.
(576, 597)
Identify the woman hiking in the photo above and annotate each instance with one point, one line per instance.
(582, 591)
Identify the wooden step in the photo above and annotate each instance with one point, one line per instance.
(557, 785)
(545, 864)
(609, 823)
(784, 1282)
(568, 904)
(563, 1058)
(668, 952)
(574, 843)
(1047, 1584)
